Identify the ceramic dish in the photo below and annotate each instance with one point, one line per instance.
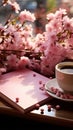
(53, 84)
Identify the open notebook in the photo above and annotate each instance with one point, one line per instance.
(21, 89)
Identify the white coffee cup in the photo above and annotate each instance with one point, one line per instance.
(64, 75)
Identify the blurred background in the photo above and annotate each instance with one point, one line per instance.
(40, 8)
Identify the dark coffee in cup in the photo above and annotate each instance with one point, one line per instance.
(67, 69)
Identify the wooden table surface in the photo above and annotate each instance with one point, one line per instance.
(62, 116)
(60, 113)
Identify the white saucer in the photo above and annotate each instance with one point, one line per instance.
(53, 83)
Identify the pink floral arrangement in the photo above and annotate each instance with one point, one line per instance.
(20, 47)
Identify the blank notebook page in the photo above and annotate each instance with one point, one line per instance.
(24, 85)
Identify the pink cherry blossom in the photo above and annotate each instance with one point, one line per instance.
(26, 16)
(15, 6)
(12, 60)
(20, 47)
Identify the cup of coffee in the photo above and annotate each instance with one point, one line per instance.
(64, 76)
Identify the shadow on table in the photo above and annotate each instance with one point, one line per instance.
(18, 123)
